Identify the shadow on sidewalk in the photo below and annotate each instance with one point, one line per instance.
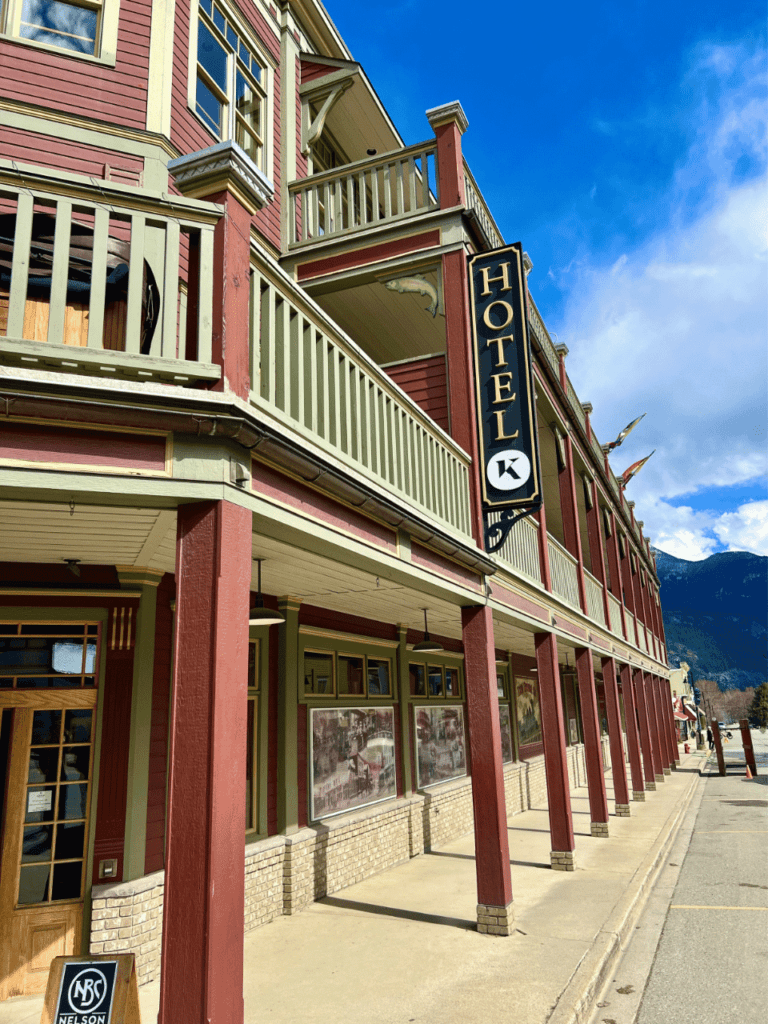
(469, 856)
(408, 915)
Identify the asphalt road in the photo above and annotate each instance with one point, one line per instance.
(700, 950)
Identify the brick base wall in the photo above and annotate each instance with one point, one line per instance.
(284, 874)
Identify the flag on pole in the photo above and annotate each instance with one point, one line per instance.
(622, 436)
(633, 470)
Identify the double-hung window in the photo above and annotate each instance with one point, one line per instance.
(85, 28)
(230, 89)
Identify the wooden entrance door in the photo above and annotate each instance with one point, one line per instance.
(45, 835)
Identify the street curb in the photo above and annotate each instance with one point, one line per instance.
(576, 1002)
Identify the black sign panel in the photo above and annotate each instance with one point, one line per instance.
(86, 992)
(506, 411)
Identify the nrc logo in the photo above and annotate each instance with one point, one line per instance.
(85, 996)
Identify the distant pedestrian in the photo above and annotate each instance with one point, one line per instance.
(710, 738)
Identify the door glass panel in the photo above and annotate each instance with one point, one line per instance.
(46, 726)
(74, 763)
(66, 880)
(40, 804)
(77, 726)
(37, 843)
(33, 883)
(43, 764)
(72, 801)
(70, 840)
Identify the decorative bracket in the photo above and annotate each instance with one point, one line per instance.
(315, 130)
(497, 533)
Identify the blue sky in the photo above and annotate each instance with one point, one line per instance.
(625, 145)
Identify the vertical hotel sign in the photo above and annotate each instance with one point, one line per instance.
(506, 410)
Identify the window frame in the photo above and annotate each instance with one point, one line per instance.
(265, 87)
(105, 50)
(429, 662)
(334, 693)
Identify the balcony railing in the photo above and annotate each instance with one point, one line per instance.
(104, 279)
(594, 598)
(614, 609)
(478, 209)
(313, 380)
(564, 569)
(365, 194)
(521, 547)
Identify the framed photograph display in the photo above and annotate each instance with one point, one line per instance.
(528, 710)
(505, 725)
(352, 758)
(441, 752)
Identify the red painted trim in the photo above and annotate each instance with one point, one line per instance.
(444, 566)
(369, 254)
(530, 750)
(231, 277)
(450, 166)
(494, 882)
(511, 600)
(304, 499)
(571, 628)
(553, 736)
(154, 857)
(27, 442)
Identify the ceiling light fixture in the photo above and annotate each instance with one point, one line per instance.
(73, 564)
(427, 646)
(259, 615)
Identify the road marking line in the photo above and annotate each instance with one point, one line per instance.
(693, 906)
(732, 832)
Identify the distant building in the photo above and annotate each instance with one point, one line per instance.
(234, 337)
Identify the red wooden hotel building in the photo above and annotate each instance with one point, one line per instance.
(235, 347)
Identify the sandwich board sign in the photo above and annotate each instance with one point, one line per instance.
(92, 990)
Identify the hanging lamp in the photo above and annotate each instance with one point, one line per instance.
(427, 646)
(259, 615)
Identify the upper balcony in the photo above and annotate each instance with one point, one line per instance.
(104, 279)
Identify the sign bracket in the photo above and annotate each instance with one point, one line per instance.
(501, 529)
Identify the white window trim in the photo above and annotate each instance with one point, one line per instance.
(10, 27)
(268, 64)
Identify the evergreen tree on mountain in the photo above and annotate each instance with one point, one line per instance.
(758, 712)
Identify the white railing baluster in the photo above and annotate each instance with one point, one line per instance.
(60, 273)
(135, 285)
(98, 278)
(170, 296)
(22, 239)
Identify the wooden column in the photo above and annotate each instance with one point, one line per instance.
(653, 726)
(494, 884)
(618, 769)
(645, 729)
(202, 950)
(595, 531)
(667, 760)
(569, 508)
(633, 733)
(715, 726)
(615, 567)
(668, 719)
(555, 763)
(598, 801)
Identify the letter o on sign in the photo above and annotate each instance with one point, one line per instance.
(506, 315)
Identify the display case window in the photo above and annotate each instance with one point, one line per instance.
(351, 675)
(331, 674)
(505, 728)
(440, 744)
(319, 673)
(528, 710)
(417, 675)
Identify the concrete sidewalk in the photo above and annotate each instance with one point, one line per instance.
(402, 947)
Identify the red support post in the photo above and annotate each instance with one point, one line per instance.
(645, 730)
(202, 947)
(667, 690)
(595, 532)
(667, 720)
(633, 733)
(618, 768)
(653, 725)
(494, 884)
(555, 763)
(569, 507)
(749, 750)
(598, 800)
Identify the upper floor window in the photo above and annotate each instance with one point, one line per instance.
(230, 92)
(85, 28)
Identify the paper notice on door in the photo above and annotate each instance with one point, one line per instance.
(39, 800)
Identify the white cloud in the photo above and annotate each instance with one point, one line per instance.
(746, 529)
(676, 327)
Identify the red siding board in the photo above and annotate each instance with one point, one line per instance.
(115, 94)
(76, 158)
(425, 381)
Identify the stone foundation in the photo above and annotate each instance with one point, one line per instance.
(638, 794)
(622, 810)
(128, 918)
(495, 920)
(599, 829)
(667, 771)
(563, 860)
(659, 778)
(651, 786)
